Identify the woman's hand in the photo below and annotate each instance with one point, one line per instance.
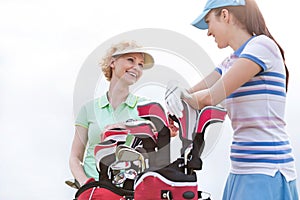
(173, 98)
(173, 128)
(115, 126)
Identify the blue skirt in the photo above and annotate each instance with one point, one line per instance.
(259, 187)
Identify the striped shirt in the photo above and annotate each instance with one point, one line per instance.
(256, 109)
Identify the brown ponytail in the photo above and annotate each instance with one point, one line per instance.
(252, 20)
(256, 25)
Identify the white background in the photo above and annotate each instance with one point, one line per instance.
(42, 47)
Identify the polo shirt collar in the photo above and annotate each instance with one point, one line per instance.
(239, 50)
(103, 101)
(131, 100)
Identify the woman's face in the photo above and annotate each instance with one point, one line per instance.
(217, 27)
(128, 67)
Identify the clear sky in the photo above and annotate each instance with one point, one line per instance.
(43, 45)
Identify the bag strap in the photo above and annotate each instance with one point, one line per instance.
(86, 187)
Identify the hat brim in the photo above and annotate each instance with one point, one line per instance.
(199, 22)
(148, 58)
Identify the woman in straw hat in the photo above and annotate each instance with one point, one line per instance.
(122, 66)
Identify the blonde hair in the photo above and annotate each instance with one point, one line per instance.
(107, 58)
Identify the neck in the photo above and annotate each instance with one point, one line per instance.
(117, 93)
(239, 38)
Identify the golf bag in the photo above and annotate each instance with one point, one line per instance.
(126, 153)
(134, 163)
(178, 181)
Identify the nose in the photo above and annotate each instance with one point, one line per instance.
(208, 32)
(138, 69)
(136, 66)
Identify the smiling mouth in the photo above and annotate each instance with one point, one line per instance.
(132, 74)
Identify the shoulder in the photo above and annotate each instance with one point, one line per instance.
(263, 41)
(133, 98)
(142, 99)
(91, 103)
(135, 101)
(261, 48)
(145, 100)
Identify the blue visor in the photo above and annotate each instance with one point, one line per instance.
(200, 23)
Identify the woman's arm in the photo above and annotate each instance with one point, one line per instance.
(77, 154)
(241, 72)
(206, 83)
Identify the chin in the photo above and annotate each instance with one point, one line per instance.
(221, 46)
(131, 82)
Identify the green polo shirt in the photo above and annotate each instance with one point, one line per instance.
(95, 115)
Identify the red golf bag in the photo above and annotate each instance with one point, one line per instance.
(178, 181)
(134, 163)
(126, 153)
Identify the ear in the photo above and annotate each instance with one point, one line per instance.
(112, 63)
(225, 15)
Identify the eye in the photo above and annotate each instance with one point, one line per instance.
(141, 65)
(130, 60)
